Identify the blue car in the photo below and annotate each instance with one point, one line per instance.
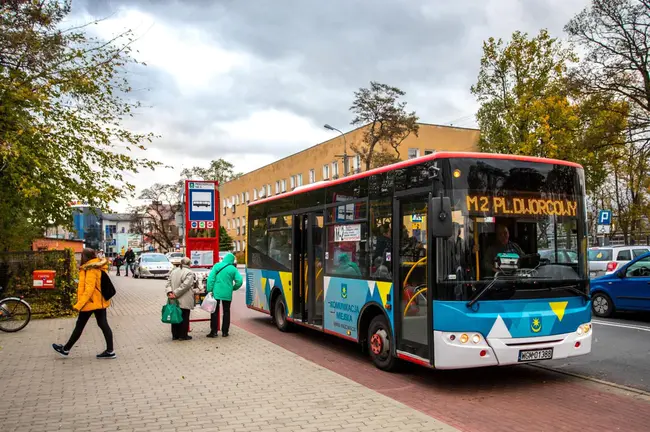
(627, 289)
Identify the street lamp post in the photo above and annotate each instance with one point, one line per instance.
(345, 149)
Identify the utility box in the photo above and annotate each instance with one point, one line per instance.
(44, 279)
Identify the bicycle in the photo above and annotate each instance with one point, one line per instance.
(14, 310)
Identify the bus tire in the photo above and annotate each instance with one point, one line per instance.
(379, 344)
(280, 314)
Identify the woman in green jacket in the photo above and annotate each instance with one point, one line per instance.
(224, 278)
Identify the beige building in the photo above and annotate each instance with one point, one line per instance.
(324, 162)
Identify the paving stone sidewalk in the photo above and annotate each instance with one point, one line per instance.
(242, 383)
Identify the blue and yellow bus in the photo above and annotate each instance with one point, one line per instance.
(451, 260)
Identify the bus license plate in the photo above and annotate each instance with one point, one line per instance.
(534, 355)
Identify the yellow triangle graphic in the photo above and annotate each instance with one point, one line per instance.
(559, 308)
(384, 289)
(288, 293)
(264, 285)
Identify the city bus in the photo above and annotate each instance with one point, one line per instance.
(435, 260)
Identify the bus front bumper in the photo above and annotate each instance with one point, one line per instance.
(452, 353)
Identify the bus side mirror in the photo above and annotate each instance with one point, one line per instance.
(441, 223)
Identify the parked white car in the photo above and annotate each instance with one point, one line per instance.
(606, 259)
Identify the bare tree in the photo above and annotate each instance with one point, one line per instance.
(389, 124)
(156, 220)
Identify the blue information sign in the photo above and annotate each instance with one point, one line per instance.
(201, 201)
(605, 217)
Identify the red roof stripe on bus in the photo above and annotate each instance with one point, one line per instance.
(415, 161)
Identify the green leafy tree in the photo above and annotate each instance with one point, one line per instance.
(220, 170)
(615, 36)
(63, 99)
(389, 124)
(528, 108)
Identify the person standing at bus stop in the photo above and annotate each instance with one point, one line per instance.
(180, 287)
(224, 278)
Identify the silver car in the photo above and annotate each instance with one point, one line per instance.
(152, 265)
(607, 259)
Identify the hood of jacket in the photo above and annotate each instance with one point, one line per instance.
(96, 263)
(228, 259)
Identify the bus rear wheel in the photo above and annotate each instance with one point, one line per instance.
(379, 344)
(280, 314)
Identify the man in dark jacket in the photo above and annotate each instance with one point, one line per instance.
(129, 257)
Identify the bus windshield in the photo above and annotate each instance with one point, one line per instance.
(515, 221)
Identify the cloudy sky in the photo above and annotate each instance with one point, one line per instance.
(251, 81)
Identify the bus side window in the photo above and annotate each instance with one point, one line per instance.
(381, 243)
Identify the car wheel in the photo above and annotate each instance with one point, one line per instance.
(602, 305)
(379, 344)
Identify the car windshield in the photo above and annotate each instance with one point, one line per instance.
(154, 258)
(600, 254)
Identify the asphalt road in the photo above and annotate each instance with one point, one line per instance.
(620, 352)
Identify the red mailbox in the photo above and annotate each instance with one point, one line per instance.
(44, 279)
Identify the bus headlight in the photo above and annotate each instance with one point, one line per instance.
(464, 338)
(584, 329)
(476, 339)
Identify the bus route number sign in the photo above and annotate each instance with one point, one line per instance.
(521, 206)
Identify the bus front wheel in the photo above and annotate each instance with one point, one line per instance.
(280, 314)
(379, 344)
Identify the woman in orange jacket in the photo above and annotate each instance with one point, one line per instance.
(90, 301)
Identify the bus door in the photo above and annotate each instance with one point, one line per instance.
(308, 268)
(413, 292)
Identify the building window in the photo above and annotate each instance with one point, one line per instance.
(335, 169)
(414, 153)
(254, 194)
(237, 199)
(248, 196)
(357, 163)
(243, 198)
(284, 185)
(277, 187)
(243, 245)
(293, 182)
(228, 224)
(312, 176)
(243, 221)
(237, 246)
(299, 180)
(326, 172)
(268, 189)
(428, 152)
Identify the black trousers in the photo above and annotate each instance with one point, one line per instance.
(82, 320)
(181, 330)
(130, 266)
(225, 321)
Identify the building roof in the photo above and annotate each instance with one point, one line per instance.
(117, 217)
(336, 138)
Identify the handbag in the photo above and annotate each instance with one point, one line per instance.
(171, 313)
(209, 304)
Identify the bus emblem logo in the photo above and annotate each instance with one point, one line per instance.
(536, 325)
(344, 291)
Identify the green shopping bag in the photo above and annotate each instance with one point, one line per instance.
(171, 313)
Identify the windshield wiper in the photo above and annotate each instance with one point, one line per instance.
(573, 288)
(481, 293)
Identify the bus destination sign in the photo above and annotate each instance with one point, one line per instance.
(521, 206)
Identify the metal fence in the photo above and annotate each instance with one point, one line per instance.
(16, 279)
